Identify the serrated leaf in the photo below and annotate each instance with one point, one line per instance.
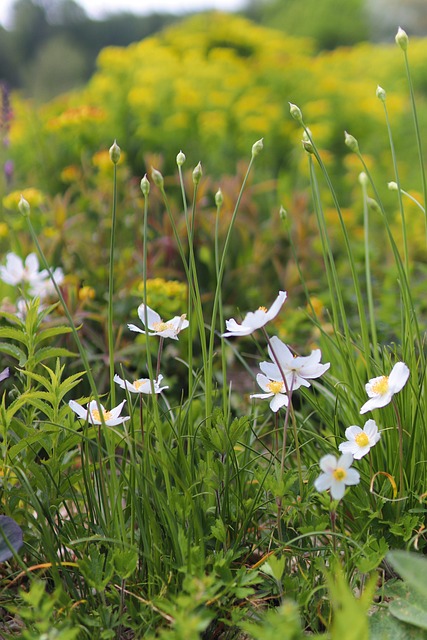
(13, 532)
(14, 351)
(14, 334)
(52, 332)
(52, 352)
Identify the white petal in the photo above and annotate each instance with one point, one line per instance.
(114, 413)
(235, 329)
(262, 396)
(271, 370)
(345, 461)
(337, 489)
(133, 327)
(348, 447)
(279, 401)
(398, 377)
(328, 463)
(352, 431)
(377, 402)
(263, 382)
(152, 316)
(371, 431)
(77, 408)
(278, 349)
(323, 482)
(277, 305)
(353, 477)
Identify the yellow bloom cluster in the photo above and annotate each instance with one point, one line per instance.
(169, 297)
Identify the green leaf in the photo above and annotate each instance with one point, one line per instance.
(412, 567)
(413, 610)
(52, 332)
(52, 352)
(14, 351)
(97, 568)
(384, 626)
(125, 562)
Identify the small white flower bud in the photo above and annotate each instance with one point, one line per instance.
(283, 214)
(180, 159)
(363, 178)
(219, 198)
(373, 205)
(381, 94)
(351, 142)
(295, 112)
(257, 147)
(24, 207)
(197, 173)
(145, 186)
(402, 39)
(306, 143)
(115, 152)
(157, 178)
(392, 186)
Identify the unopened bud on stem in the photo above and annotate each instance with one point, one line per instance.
(145, 186)
(295, 112)
(257, 147)
(351, 142)
(402, 39)
(115, 152)
(24, 207)
(197, 173)
(157, 178)
(180, 159)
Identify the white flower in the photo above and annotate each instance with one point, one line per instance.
(381, 390)
(143, 385)
(336, 475)
(43, 287)
(93, 416)
(155, 324)
(17, 272)
(274, 389)
(255, 319)
(296, 369)
(360, 441)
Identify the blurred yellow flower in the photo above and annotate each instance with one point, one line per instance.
(33, 196)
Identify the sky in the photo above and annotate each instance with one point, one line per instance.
(100, 8)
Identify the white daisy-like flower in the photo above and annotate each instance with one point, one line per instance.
(254, 319)
(274, 389)
(381, 389)
(298, 370)
(336, 475)
(16, 271)
(93, 415)
(143, 385)
(360, 441)
(156, 326)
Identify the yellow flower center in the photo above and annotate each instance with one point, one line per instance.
(162, 326)
(96, 415)
(262, 309)
(138, 383)
(381, 386)
(275, 386)
(361, 439)
(339, 474)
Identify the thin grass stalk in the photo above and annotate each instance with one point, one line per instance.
(368, 276)
(110, 327)
(396, 174)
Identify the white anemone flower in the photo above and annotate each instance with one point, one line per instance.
(43, 287)
(336, 475)
(16, 271)
(254, 319)
(157, 326)
(274, 389)
(381, 389)
(93, 415)
(298, 370)
(360, 441)
(143, 385)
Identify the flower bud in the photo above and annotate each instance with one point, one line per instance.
(24, 207)
(351, 142)
(180, 159)
(114, 153)
(373, 205)
(257, 147)
(157, 178)
(283, 214)
(402, 39)
(392, 186)
(197, 173)
(306, 143)
(363, 178)
(219, 198)
(295, 112)
(381, 94)
(145, 186)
